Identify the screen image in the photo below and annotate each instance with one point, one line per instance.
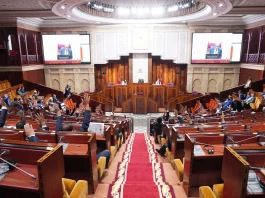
(216, 47)
(66, 49)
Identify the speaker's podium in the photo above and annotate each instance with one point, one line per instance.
(139, 104)
(43, 161)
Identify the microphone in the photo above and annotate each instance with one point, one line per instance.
(232, 140)
(31, 175)
(60, 140)
(5, 152)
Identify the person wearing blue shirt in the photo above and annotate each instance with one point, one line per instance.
(6, 98)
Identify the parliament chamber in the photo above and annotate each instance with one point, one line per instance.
(133, 99)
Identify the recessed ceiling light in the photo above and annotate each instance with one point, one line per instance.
(220, 5)
(68, 16)
(214, 14)
(62, 7)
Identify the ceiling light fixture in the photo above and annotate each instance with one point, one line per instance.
(123, 11)
(214, 14)
(68, 16)
(62, 7)
(220, 5)
(157, 10)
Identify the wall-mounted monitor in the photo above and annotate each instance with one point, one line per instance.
(216, 48)
(66, 49)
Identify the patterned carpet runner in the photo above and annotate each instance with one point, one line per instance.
(139, 174)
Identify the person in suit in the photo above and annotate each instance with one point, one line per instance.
(67, 91)
(162, 150)
(67, 127)
(66, 51)
(3, 113)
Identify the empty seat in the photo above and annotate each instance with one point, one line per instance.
(179, 169)
(206, 192)
(218, 190)
(73, 189)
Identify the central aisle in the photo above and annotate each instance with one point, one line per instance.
(139, 174)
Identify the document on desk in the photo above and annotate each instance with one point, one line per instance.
(65, 145)
(96, 127)
(198, 150)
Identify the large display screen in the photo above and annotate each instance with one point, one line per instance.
(66, 49)
(216, 47)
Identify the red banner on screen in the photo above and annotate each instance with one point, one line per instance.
(210, 61)
(62, 62)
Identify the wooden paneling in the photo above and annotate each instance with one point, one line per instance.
(254, 45)
(36, 76)
(245, 74)
(169, 72)
(14, 78)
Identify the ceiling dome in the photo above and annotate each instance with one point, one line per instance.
(141, 11)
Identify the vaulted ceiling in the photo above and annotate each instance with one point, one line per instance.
(48, 13)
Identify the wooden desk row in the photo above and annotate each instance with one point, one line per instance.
(202, 168)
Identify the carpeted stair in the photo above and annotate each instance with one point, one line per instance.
(139, 173)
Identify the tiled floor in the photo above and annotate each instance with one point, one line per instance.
(140, 120)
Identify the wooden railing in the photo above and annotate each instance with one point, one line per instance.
(171, 104)
(257, 86)
(191, 103)
(44, 91)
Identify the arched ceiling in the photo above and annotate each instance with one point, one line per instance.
(49, 13)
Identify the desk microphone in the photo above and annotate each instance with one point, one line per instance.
(60, 140)
(4, 152)
(7, 152)
(232, 140)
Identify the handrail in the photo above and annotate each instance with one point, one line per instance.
(257, 86)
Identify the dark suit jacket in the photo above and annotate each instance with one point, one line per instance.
(3, 117)
(33, 139)
(55, 100)
(83, 128)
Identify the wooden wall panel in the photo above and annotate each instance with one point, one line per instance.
(36, 76)
(245, 74)
(169, 72)
(112, 72)
(14, 78)
(254, 45)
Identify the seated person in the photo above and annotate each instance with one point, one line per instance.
(227, 103)
(198, 107)
(249, 99)
(4, 112)
(21, 91)
(241, 95)
(30, 104)
(30, 133)
(16, 104)
(236, 105)
(6, 98)
(35, 95)
(162, 149)
(67, 127)
(55, 100)
(99, 110)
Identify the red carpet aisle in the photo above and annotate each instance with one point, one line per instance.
(139, 175)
